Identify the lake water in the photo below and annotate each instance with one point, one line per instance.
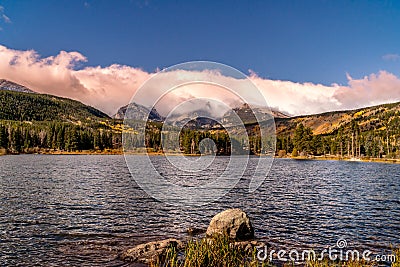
(83, 210)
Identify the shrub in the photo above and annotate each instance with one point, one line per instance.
(295, 153)
(281, 153)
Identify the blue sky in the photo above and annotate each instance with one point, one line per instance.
(300, 41)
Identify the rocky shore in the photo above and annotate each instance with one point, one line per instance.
(232, 223)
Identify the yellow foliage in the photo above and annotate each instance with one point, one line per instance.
(358, 113)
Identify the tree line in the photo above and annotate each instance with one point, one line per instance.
(377, 138)
(204, 141)
(25, 137)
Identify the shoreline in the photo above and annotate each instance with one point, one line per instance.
(83, 152)
(349, 159)
(120, 152)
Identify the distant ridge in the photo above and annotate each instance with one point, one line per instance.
(251, 115)
(138, 112)
(368, 118)
(12, 86)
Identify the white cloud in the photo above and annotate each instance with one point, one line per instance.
(111, 87)
(3, 16)
(391, 57)
(375, 89)
(6, 19)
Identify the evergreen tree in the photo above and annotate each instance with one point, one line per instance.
(16, 140)
(3, 137)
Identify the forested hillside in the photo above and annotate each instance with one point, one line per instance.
(36, 122)
(20, 106)
(369, 132)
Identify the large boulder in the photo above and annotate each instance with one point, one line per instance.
(150, 252)
(232, 222)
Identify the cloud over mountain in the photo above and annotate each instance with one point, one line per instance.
(111, 87)
(105, 88)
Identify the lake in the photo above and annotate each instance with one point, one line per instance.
(82, 210)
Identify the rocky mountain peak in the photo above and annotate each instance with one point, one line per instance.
(12, 86)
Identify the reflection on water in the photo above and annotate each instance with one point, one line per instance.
(82, 210)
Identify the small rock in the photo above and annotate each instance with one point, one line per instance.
(195, 231)
(249, 246)
(232, 222)
(150, 252)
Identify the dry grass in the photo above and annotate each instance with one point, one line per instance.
(397, 254)
(220, 252)
(216, 252)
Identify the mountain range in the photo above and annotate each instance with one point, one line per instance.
(20, 103)
(48, 107)
(202, 118)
